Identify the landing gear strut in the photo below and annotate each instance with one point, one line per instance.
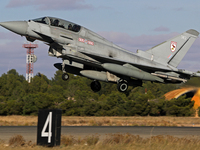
(65, 76)
(95, 86)
(122, 86)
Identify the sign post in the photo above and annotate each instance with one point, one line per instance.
(49, 127)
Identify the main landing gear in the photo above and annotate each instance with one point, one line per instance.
(95, 86)
(122, 86)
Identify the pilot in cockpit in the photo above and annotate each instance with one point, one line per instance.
(56, 22)
(69, 27)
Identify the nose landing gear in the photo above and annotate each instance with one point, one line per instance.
(65, 76)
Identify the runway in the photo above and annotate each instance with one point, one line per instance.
(30, 132)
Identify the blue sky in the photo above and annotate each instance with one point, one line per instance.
(130, 24)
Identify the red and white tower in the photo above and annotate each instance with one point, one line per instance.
(30, 59)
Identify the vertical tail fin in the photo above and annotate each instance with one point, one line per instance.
(172, 51)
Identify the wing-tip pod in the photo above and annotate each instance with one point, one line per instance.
(193, 32)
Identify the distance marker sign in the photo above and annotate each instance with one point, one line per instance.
(49, 127)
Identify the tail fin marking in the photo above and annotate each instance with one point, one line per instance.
(172, 51)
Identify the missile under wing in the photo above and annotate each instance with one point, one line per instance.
(87, 54)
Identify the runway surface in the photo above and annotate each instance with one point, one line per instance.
(30, 132)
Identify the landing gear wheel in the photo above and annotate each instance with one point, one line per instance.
(65, 76)
(95, 86)
(122, 86)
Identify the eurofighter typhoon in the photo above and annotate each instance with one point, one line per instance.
(87, 54)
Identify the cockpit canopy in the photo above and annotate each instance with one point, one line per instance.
(58, 23)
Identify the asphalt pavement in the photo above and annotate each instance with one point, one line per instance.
(30, 132)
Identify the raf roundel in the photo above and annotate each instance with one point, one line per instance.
(173, 46)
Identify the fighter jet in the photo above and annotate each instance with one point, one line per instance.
(85, 53)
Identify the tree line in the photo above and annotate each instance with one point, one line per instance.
(75, 98)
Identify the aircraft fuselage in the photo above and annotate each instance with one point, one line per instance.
(90, 55)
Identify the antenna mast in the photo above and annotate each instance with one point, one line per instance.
(30, 59)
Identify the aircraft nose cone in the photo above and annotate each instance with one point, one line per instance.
(19, 27)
